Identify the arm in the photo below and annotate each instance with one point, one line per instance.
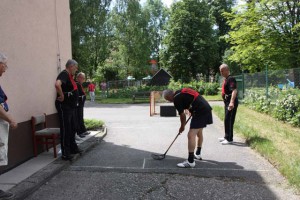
(59, 90)
(5, 116)
(182, 121)
(233, 97)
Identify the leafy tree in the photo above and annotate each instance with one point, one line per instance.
(158, 15)
(90, 33)
(131, 38)
(265, 32)
(189, 47)
(217, 8)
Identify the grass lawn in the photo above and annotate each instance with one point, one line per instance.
(278, 142)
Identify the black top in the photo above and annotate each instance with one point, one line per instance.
(69, 89)
(195, 103)
(81, 94)
(228, 86)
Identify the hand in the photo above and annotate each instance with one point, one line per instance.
(181, 129)
(61, 98)
(231, 106)
(13, 124)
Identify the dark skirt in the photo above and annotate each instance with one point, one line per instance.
(201, 120)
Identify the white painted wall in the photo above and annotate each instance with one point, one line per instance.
(32, 34)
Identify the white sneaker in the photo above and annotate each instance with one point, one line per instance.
(221, 139)
(198, 157)
(226, 142)
(77, 138)
(186, 164)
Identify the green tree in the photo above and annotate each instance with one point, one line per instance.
(190, 45)
(131, 38)
(158, 15)
(217, 8)
(265, 32)
(90, 33)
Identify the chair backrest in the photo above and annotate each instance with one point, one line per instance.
(38, 120)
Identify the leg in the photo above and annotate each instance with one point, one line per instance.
(191, 148)
(91, 96)
(192, 139)
(200, 137)
(231, 123)
(199, 144)
(82, 128)
(227, 121)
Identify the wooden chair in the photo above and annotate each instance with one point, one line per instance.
(44, 135)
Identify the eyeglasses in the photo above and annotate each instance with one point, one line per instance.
(4, 64)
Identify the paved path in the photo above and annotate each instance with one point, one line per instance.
(121, 167)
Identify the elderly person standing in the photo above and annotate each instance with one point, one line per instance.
(6, 122)
(81, 129)
(66, 103)
(229, 95)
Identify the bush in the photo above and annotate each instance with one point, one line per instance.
(203, 88)
(129, 91)
(93, 124)
(282, 105)
(288, 109)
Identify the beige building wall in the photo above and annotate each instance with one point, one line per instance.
(34, 34)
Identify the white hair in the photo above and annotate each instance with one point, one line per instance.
(167, 93)
(80, 74)
(224, 66)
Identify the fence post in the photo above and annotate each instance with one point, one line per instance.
(267, 82)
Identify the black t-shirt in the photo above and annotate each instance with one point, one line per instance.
(81, 94)
(69, 90)
(195, 103)
(228, 86)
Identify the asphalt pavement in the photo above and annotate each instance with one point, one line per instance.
(121, 167)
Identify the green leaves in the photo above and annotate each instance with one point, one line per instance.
(189, 44)
(263, 32)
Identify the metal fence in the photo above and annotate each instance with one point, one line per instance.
(281, 79)
(125, 83)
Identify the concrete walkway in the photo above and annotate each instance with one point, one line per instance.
(123, 161)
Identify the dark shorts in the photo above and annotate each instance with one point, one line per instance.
(201, 120)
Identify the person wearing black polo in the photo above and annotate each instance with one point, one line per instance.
(229, 95)
(66, 103)
(189, 99)
(81, 129)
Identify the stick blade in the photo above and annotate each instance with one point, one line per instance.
(158, 156)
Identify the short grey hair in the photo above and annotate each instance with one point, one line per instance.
(224, 66)
(71, 62)
(80, 74)
(167, 93)
(3, 58)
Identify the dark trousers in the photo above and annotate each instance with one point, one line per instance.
(229, 121)
(67, 129)
(80, 122)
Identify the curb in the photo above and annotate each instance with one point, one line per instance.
(35, 181)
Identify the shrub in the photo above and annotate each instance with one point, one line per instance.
(93, 124)
(288, 109)
(282, 105)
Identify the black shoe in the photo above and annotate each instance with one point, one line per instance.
(6, 195)
(81, 135)
(77, 151)
(70, 158)
(86, 133)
